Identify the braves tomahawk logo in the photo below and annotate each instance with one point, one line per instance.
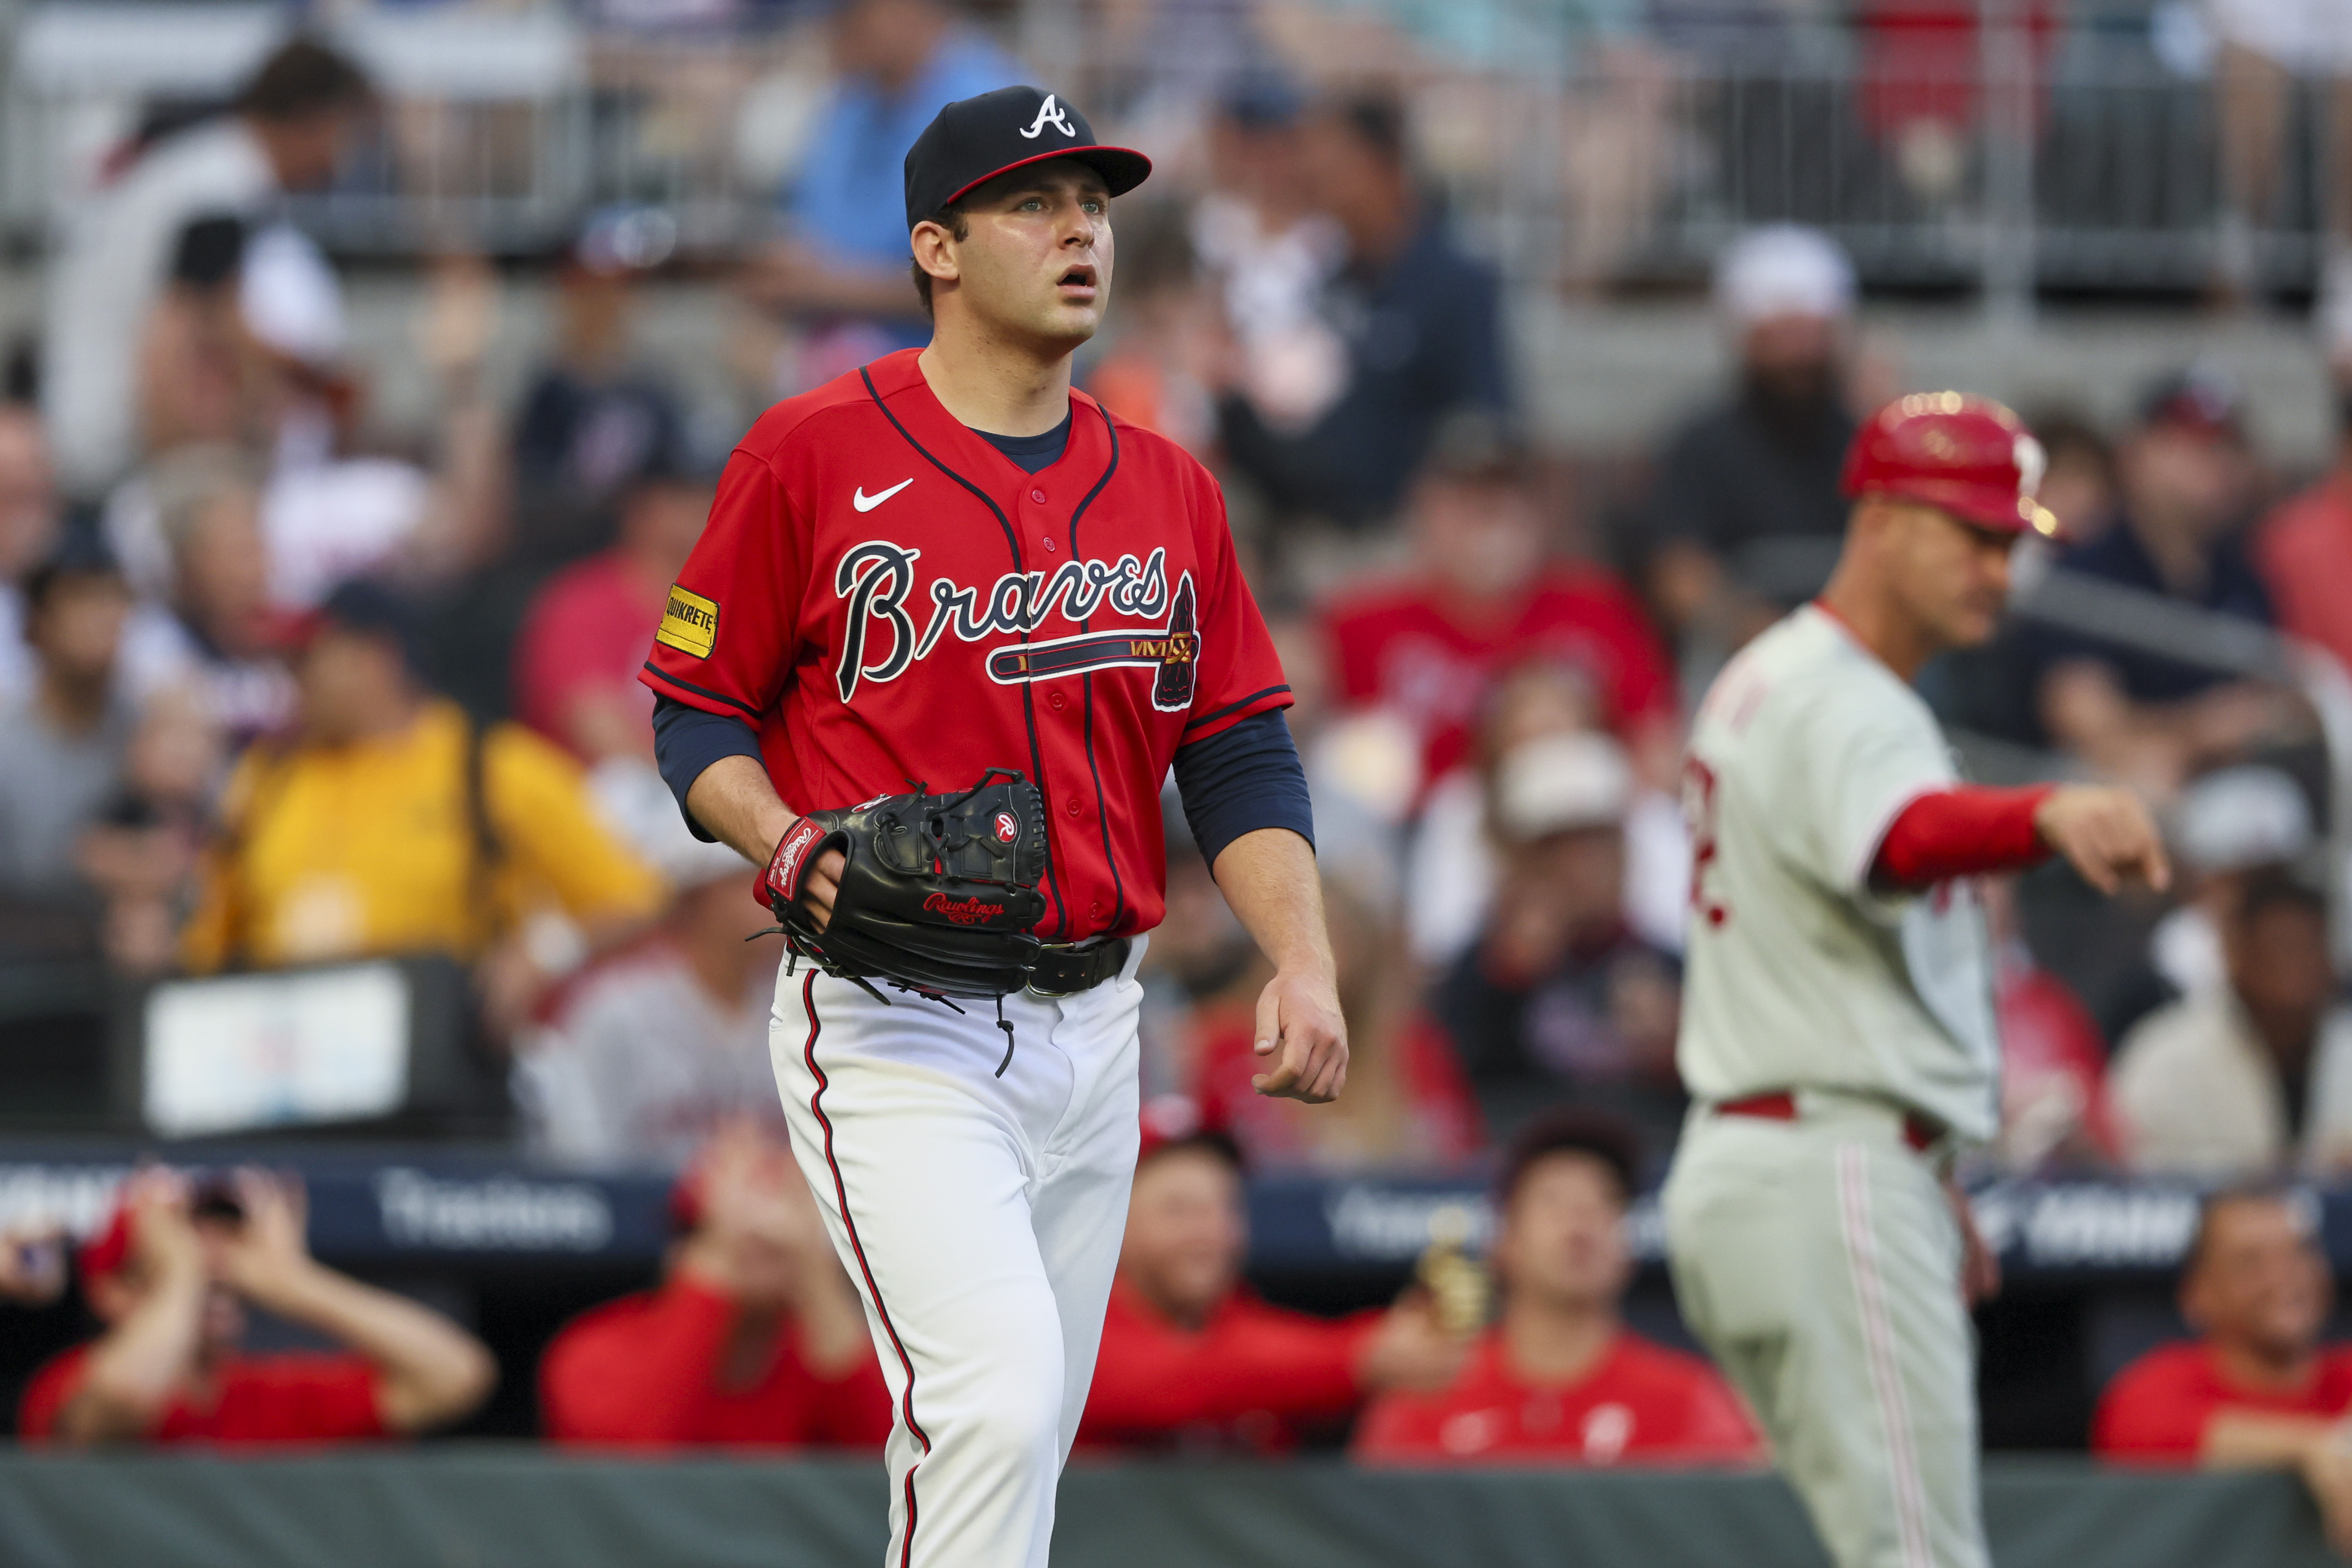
(1050, 113)
(880, 643)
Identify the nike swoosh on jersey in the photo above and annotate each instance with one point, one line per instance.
(865, 503)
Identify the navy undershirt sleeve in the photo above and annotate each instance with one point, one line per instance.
(1241, 780)
(686, 740)
(1033, 453)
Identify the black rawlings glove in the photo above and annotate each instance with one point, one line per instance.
(937, 894)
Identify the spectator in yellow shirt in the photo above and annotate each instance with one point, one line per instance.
(386, 824)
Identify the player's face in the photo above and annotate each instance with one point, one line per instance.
(1035, 262)
(2259, 1282)
(1951, 577)
(1563, 1236)
(1185, 1232)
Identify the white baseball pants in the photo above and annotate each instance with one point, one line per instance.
(1820, 1262)
(980, 1217)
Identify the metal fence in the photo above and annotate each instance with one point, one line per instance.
(1998, 143)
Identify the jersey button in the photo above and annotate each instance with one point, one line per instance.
(1038, 497)
(1055, 699)
(1072, 807)
(1095, 909)
(1049, 544)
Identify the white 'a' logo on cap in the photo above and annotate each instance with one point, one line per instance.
(1050, 113)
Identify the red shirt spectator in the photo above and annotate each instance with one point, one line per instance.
(756, 1338)
(645, 1370)
(2157, 1409)
(1430, 654)
(586, 632)
(1251, 1376)
(293, 1399)
(2305, 555)
(584, 639)
(1189, 1359)
(1560, 1379)
(2258, 1390)
(171, 1276)
(1639, 1404)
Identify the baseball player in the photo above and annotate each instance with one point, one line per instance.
(1837, 1030)
(945, 563)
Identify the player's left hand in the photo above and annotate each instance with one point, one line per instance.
(1980, 1265)
(1299, 1027)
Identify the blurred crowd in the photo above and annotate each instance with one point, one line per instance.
(285, 689)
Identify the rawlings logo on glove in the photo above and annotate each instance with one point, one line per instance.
(937, 893)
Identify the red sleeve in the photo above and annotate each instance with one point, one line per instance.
(556, 655)
(728, 631)
(2148, 1414)
(1964, 831)
(48, 1392)
(636, 1370)
(1235, 673)
(1150, 1381)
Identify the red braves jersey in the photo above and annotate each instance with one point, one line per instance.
(2157, 1410)
(299, 1396)
(1640, 1404)
(890, 599)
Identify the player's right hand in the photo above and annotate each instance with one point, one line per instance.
(2106, 834)
(818, 883)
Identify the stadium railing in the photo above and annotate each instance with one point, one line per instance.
(471, 1503)
(2022, 146)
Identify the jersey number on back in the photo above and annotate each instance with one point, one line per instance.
(1699, 806)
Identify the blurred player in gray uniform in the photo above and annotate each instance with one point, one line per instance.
(1837, 1031)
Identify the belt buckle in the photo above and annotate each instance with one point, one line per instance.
(1036, 990)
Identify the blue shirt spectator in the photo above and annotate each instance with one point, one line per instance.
(843, 263)
(849, 196)
(2130, 710)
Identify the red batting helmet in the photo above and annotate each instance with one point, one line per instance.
(1966, 455)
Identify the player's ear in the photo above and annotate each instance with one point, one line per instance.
(935, 251)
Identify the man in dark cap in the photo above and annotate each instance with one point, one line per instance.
(2188, 486)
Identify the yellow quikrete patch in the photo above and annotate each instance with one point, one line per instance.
(689, 624)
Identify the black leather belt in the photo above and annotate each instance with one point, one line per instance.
(1066, 968)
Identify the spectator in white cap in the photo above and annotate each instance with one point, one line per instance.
(1559, 998)
(2250, 1077)
(1745, 518)
(657, 1049)
(2226, 827)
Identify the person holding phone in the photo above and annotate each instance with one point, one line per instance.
(171, 1275)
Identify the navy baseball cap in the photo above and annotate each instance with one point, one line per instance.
(974, 140)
